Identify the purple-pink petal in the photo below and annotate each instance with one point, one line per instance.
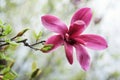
(55, 40)
(82, 57)
(76, 28)
(84, 14)
(69, 52)
(54, 24)
(79, 40)
(95, 42)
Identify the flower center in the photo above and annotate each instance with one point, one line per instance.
(69, 40)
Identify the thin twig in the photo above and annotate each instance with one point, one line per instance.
(13, 38)
(24, 41)
(37, 43)
(26, 44)
(2, 40)
(4, 44)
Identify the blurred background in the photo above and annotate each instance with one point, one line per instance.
(105, 64)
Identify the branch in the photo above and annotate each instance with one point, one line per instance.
(27, 44)
(37, 43)
(24, 41)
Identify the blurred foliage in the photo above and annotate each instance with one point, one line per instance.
(114, 76)
(8, 44)
(79, 76)
(5, 29)
(37, 36)
(8, 6)
(6, 62)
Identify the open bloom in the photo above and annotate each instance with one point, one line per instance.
(72, 37)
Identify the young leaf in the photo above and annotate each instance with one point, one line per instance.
(11, 42)
(34, 66)
(5, 70)
(9, 76)
(34, 34)
(7, 30)
(39, 36)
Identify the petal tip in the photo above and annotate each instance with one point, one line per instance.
(43, 17)
(84, 14)
(86, 68)
(71, 62)
(105, 46)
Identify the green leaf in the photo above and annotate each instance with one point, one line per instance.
(2, 56)
(15, 74)
(7, 30)
(13, 43)
(36, 73)
(1, 22)
(37, 36)
(34, 34)
(46, 47)
(5, 70)
(10, 76)
(2, 67)
(34, 66)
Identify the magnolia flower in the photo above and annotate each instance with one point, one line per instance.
(72, 37)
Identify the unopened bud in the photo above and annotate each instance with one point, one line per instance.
(47, 47)
(22, 32)
(36, 73)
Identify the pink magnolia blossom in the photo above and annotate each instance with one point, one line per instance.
(72, 37)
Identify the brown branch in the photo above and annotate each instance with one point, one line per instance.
(4, 44)
(25, 44)
(37, 43)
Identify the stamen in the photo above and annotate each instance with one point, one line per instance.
(69, 40)
(67, 37)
